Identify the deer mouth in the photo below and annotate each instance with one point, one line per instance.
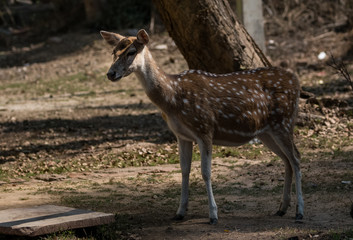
(114, 76)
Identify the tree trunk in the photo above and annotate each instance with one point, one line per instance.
(209, 36)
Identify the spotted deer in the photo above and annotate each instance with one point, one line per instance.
(221, 109)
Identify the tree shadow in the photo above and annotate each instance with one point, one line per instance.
(338, 86)
(72, 136)
(46, 50)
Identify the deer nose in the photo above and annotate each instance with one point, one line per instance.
(111, 75)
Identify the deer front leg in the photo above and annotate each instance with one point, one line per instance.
(185, 152)
(206, 157)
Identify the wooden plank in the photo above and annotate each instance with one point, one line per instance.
(45, 219)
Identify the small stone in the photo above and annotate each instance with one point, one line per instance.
(161, 47)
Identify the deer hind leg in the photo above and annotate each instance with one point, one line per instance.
(206, 157)
(272, 145)
(185, 150)
(285, 141)
(289, 153)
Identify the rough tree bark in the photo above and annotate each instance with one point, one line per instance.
(209, 36)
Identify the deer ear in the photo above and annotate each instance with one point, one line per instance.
(111, 38)
(142, 37)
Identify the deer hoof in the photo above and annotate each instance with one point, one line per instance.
(178, 217)
(280, 213)
(213, 221)
(298, 218)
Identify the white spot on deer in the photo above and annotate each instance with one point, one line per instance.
(183, 112)
(173, 100)
(185, 101)
(170, 87)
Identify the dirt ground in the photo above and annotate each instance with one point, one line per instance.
(71, 137)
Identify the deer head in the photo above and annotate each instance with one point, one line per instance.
(126, 57)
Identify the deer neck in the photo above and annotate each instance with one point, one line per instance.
(154, 80)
